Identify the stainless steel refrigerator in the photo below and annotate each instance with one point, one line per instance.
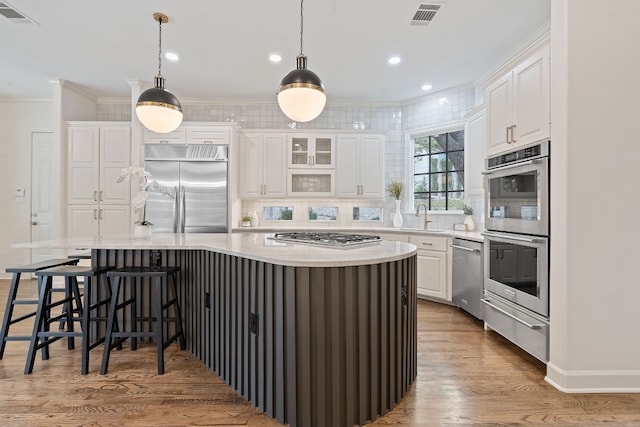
(187, 188)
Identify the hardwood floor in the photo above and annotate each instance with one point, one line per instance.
(466, 377)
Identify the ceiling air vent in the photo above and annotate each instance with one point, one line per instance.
(13, 15)
(426, 13)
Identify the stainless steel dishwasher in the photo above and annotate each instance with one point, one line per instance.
(467, 277)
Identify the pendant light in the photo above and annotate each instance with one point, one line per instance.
(158, 109)
(301, 96)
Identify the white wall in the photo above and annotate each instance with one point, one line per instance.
(595, 287)
(17, 120)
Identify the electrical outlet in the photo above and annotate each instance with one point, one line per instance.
(253, 323)
(207, 300)
(155, 258)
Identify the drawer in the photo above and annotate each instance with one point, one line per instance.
(528, 332)
(430, 243)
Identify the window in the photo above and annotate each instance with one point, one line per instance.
(438, 173)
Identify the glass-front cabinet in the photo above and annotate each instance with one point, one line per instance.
(310, 183)
(311, 151)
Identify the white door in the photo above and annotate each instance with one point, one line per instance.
(371, 166)
(41, 202)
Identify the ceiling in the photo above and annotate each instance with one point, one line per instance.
(224, 45)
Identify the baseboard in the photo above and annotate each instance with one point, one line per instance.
(593, 381)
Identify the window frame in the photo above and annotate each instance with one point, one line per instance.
(410, 136)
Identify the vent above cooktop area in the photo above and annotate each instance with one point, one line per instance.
(426, 13)
(13, 15)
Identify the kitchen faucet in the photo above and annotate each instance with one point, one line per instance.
(426, 222)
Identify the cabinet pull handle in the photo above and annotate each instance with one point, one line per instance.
(95, 196)
(265, 189)
(513, 128)
(506, 137)
(95, 214)
(101, 195)
(163, 141)
(427, 244)
(100, 213)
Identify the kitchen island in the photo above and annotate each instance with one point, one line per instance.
(312, 336)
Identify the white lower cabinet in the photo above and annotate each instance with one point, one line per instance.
(94, 221)
(433, 266)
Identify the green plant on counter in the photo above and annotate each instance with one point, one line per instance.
(395, 188)
(468, 210)
(246, 218)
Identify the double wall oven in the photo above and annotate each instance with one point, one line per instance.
(516, 282)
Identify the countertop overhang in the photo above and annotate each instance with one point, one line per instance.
(250, 245)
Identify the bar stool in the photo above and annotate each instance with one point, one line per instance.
(160, 278)
(42, 336)
(12, 298)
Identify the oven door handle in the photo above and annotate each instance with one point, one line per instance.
(507, 167)
(518, 238)
(516, 318)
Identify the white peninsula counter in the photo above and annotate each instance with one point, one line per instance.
(310, 335)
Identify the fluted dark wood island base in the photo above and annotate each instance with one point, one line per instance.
(310, 345)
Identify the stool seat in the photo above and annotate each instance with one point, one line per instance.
(42, 336)
(163, 280)
(13, 300)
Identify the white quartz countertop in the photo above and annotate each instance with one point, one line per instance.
(250, 245)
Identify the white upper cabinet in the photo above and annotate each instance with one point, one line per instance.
(475, 135)
(518, 110)
(311, 151)
(192, 133)
(97, 155)
(263, 165)
(359, 166)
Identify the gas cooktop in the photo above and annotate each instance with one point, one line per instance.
(326, 239)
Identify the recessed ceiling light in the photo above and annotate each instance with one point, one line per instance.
(274, 57)
(427, 87)
(394, 60)
(171, 56)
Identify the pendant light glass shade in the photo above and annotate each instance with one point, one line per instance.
(301, 96)
(158, 109)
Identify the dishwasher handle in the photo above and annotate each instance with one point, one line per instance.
(465, 248)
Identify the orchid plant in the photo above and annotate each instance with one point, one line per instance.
(140, 201)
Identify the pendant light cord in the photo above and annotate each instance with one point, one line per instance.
(160, 47)
(301, 25)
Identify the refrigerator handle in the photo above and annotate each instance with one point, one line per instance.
(182, 209)
(176, 210)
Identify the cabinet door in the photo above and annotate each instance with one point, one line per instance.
(84, 174)
(323, 150)
(115, 155)
(499, 116)
(299, 151)
(531, 98)
(114, 220)
(371, 166)
(275, 166)
(347, 174)
(432, 274)
(177, 136)
(219, 135)
(310, 183)
(82, 221)
(251, 159)
(475, 136)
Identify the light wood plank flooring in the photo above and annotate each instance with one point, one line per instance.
(466, 377)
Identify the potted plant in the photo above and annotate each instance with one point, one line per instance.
(142, 228)
(246, 221)
(468, 220)
(395, 189)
